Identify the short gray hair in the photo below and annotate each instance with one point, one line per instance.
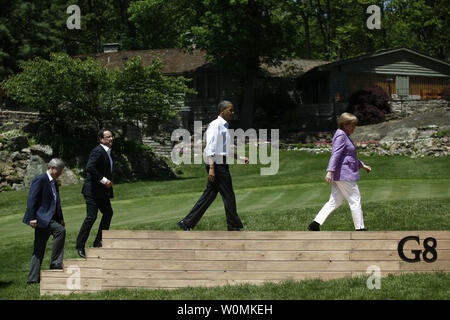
(56, 163)
(223, 105)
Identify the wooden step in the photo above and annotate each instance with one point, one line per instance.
(158, 254)
(268, 235)
(260, 245)
(175, 259)
(203, 255)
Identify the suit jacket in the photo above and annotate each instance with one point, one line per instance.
(344, 161)
(98, 166)
(41, 203)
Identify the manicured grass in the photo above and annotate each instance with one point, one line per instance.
(400, 194)
(405, 287)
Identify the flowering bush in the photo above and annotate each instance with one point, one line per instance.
(370, 105)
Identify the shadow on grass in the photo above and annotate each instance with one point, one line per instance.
(6, 284)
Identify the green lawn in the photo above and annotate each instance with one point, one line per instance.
(400, 194)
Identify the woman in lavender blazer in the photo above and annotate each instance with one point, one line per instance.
(343, 174)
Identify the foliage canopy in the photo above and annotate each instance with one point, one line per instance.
(72, 93)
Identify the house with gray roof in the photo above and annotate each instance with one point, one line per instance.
(403, 73)
(211, 82)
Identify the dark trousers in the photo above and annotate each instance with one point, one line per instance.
(222, 184)
(92, 207)
(41, 236)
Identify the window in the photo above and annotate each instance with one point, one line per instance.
(207, 86)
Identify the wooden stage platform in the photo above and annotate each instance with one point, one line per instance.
(174, 259)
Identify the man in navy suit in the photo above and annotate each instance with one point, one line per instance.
(97, 190)
(45, 216)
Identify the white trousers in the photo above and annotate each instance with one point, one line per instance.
(340, 190)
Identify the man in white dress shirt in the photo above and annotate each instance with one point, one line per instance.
(218, 148)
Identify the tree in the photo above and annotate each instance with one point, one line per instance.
(64, 90)
(71, 93)
(239, 35)
(422, 25)
(27, 29)
(160, 23)
(144, 93)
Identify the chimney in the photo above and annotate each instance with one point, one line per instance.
(111, 47)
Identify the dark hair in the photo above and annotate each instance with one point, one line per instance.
(101, 133)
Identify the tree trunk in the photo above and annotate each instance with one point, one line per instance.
(98, 48)
(307, 36)
(247, 106)
(322, 31)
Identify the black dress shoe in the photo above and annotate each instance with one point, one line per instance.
(97, 244)
(234, 229)
(363, 229)
(56, 267)
(81, 253)
(183, 226)
(314, 226)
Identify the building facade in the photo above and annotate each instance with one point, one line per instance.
(403, 73)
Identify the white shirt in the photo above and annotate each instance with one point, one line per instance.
(49, 176)
(218, 140)
(51, 179)
(108, 151)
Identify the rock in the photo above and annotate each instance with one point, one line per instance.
(45, 152)
(394, 146)
(18, 186)
(16, 156)
(366, 136)
(425, 143)
(17, 143)
(429, 127)
(4, 187)
(36, 166)
(401, 134)
(6, 170)
(426, 134)
(67, 177)
(26, 151)
(13, 178)
(4, 156)
(21, 163)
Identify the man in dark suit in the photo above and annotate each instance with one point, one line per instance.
(45, 216)
(97, 191)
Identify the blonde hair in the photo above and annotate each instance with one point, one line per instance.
(346, 118)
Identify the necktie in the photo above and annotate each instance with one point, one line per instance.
(110, 159)
(55, 197)
(52, 183)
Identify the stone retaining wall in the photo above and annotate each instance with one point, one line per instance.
(409, 107)
(18, 118)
